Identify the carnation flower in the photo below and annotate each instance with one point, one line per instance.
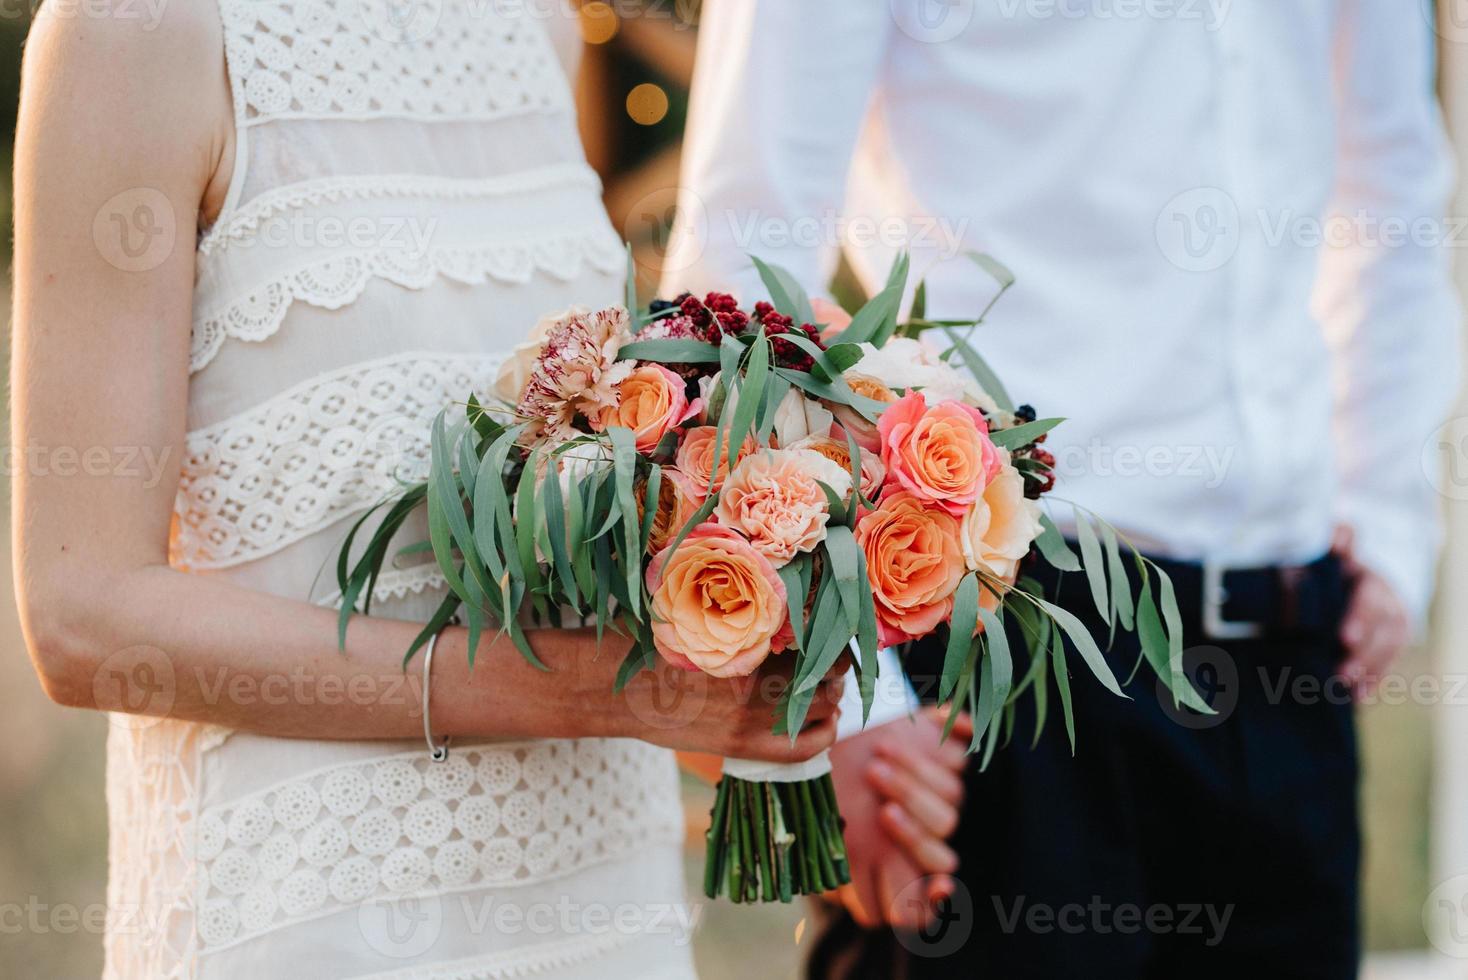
(576, 374)
(775, 499)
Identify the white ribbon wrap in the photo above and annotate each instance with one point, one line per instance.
(892, 699)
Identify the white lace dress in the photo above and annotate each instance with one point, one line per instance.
(408, 198)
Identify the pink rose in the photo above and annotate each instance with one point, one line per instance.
(942, 455)
(774, 498)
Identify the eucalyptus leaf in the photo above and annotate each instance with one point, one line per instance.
(1019, 436)
(1092, 560)
(1085, 645)
(786, 294)
(964, 622)
(667, 350)
(1052, 545)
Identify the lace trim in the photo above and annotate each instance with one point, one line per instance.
(243, 223)
(313, 454)
(365, 59)
(400, 826)
(337, 281)
(396, 584)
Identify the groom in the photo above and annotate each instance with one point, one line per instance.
(1226, 224)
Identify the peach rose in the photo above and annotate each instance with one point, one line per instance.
(696, 457)
(650, 402)
(863, 431)
(942, 454)
(914, 565)
(774, 498)
(1002, 524)
(717, 604)
(834, 448)
(678, 501)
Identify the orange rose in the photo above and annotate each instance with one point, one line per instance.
(914, 564)
(678, 500)
(941, 454)
(696, 457)
(717, 605)
(650, 402)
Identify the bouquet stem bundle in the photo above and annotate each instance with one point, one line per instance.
(770, 841)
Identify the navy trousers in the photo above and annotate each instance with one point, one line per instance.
(1171, 844)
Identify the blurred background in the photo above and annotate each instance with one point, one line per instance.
(632, 96)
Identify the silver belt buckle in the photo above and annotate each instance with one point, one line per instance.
(1214, 596)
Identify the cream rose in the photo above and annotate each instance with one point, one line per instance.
(1002, 524)
(798, 416)
(774, 498)
(907, 363)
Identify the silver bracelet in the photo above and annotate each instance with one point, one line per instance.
(436, 753)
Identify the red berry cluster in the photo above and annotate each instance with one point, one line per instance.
(713, 317)
(787, 355)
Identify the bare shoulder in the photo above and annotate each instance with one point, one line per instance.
(131, 86)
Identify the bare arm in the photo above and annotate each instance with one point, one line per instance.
(124, 138)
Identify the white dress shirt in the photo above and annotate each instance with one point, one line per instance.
(1160, 175)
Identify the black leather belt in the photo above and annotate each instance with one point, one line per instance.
(1248, 603)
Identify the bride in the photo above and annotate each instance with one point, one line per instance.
(263, 244)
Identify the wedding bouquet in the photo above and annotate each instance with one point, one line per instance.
(723, 485)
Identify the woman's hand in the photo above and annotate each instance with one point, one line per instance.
(900, 790)
(732, 717)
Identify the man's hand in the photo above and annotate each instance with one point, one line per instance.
(1377, 627)
(900, 792)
